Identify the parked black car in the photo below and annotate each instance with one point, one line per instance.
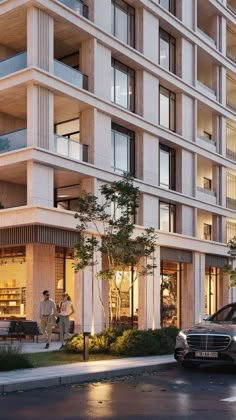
(212, 341)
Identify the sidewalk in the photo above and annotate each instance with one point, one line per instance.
(28, 379)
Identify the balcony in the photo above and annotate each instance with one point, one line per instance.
(77, 5)
(206, 37)
(206, 142)
(70, 75)
(13, 64)
(231, 154)
(13, 140)
(206, 195)
(231, 8)
(230, 203)
(70, 148)
(206, 89)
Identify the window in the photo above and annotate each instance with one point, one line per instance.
(122, 143)
(122, 85)
(207, 184)
(122, 21)
(212, 275)
(167, 51)
(167, 108)
(207, 232)
(167, 217)
(170, 275)
(166, 167)
(168, 5)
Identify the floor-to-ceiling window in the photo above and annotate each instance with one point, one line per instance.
(170, 293)
(167, 51)
(122, 143)
(122, 85)
(167, 108)
(64, 273)
(167, 217)
(124, 299)
(211, 289)
(13, 275)
(122, 21)
(166, 167)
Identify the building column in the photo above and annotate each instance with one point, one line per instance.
(40, 184)
(150, 297)
(40, 117)
(199, 286)
(187, 296)
(40, 260)
(88, 307)
(96, 133)
(40, 39)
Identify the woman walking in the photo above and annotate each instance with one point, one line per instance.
(66, 309)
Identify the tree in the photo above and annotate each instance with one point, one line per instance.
(114, 239)
(229, 268)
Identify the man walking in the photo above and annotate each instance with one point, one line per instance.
(48, 312)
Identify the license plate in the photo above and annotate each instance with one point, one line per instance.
(213, 354)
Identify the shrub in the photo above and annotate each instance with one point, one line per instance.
(145, 343)
(11, 358)
(129, 342)
(98, 343)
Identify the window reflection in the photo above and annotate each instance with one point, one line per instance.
(167, 167)
(167, 108)
(122, 85)
(170, 293)
(166, 217)
(167, 51)
(169, 5)
(122, 21)
(211, 289)
(122, 142)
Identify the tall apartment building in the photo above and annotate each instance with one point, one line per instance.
(89, 90)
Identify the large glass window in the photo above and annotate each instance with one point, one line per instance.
(167, 167)
(169, 5)
(122, 143)
(211, 289)
(124, 299)
(122, 85)
(167, 51)
(122, 21)
(13, 276)
(170, 293)
(167, 216)
(167, 108)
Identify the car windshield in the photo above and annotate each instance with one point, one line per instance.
(225, 314)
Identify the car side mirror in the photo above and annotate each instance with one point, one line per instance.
(234, 320)
(206, 317)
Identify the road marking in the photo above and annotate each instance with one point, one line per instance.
(231, 399)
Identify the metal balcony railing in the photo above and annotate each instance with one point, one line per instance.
(13, 140)
(71, 75)
(70, 148)
(77, 5)
(12, 64)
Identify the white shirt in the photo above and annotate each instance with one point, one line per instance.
(47, 307)
(66, 308)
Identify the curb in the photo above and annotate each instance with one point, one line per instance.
(22, 385)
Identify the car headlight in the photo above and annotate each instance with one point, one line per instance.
(234, 337)
(183, 335)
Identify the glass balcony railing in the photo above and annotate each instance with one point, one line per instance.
(230, 7)
(70, 75)
(70, 148)
(206, 36)
(77, 5)
(13, 64)
(231, 154)
(13, 140)
(231, 105)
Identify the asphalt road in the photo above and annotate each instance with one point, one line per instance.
(170, 393)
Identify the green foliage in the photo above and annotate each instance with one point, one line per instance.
(228, 269)
(98, 343)
(145, 343)
(11, 358)
(127, 342)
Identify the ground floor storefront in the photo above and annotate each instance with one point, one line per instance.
(184, 286)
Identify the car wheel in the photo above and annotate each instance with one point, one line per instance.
(190, 365)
